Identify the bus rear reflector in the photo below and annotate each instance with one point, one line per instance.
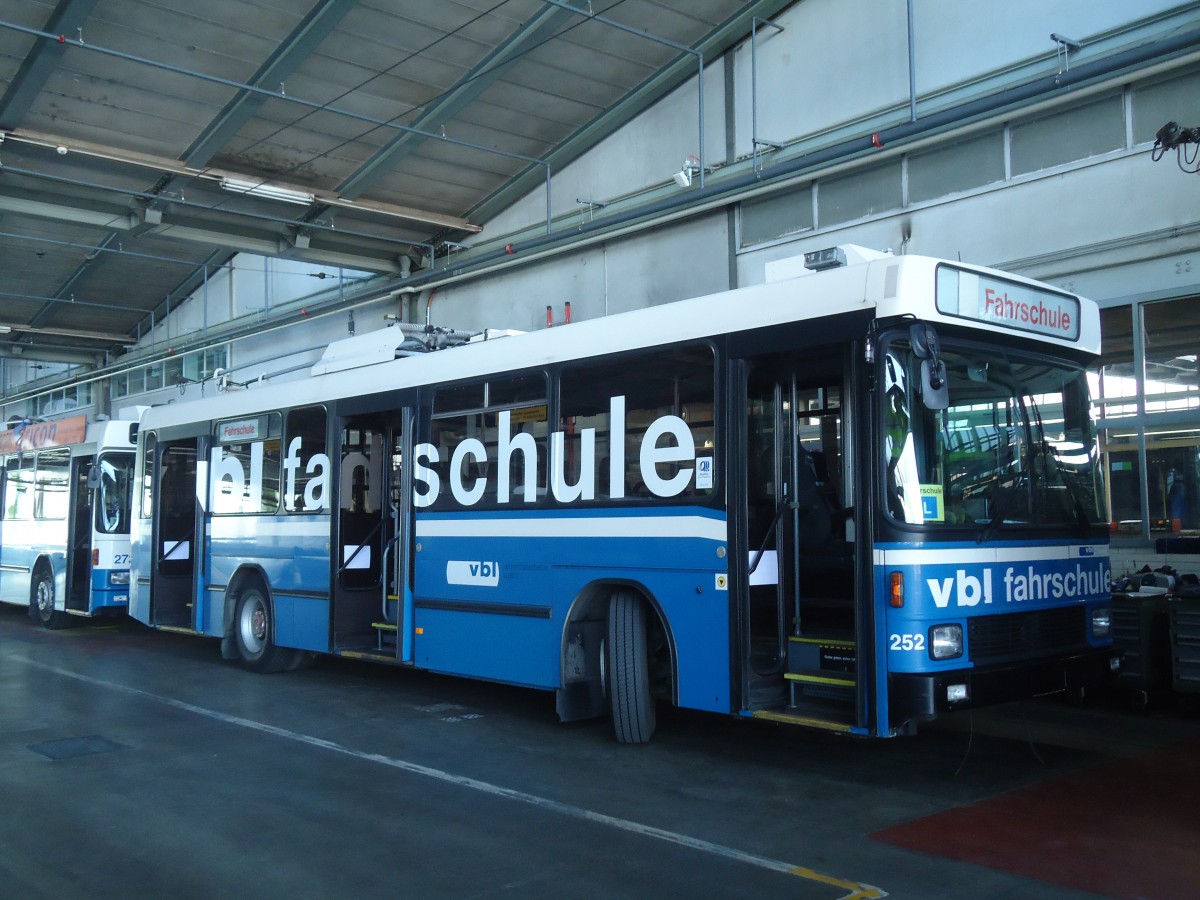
(95, 557)
(897, 590)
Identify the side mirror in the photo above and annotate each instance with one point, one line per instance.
(93, 477)
(935, 391)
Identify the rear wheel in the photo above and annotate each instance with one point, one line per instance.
(629, 669)
(41, 602)
(253, 631)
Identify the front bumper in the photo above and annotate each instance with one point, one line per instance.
(913, 697)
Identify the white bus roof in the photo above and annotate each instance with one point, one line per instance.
(887, 286)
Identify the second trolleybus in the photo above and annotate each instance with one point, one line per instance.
(67, 488)
(855, 498)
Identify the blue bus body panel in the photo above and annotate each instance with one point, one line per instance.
(110, 574)
(952, 583)
(501, 613)
(293, 553)
(106, 595)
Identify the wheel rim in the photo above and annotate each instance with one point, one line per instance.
(44, 597)
(252, 626)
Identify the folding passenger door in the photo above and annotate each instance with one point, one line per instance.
(79, 537)
(178, 533)
(372, 532)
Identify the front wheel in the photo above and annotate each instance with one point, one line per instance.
(633, 712)
(41, 603)
(253, 632)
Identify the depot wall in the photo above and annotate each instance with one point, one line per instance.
(833, 65)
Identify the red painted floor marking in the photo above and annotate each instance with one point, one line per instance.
(1127, 828)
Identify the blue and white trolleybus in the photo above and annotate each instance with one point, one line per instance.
(858, 496)
(64, 532)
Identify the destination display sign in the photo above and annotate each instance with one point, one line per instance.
(1007, 303)
(242, 430)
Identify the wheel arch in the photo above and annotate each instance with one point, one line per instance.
(582, 691)
(45, 565)
(46, 562)
(247, 575)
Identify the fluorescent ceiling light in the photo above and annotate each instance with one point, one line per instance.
(267, 191)
(5, 329)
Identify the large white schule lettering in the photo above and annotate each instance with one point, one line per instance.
(521, 450)
(667, 440)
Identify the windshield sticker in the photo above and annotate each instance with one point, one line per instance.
(933, 507)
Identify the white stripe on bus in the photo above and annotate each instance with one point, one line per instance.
(945, 556)
(578, 527)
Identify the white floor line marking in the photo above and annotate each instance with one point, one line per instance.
(857, 890)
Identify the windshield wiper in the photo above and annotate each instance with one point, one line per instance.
(1005, 501)
(1025, 475)
(1081, 517)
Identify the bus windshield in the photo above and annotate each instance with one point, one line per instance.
(114, 493)
(1015, 446)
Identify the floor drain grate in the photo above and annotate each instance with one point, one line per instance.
(69, 748)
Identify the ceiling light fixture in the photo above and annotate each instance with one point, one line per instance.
(266, 191)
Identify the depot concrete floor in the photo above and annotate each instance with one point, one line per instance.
(138, 763)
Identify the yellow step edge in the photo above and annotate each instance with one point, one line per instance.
(819, 679)
(824, 642)
(791, 719)
(375, 656)
(383, 626)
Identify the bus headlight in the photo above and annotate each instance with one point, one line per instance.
(945, 641)
(119, 578)
(1101, 622)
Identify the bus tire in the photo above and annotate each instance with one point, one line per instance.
(41, 602)
(253, 633)
(629, 669)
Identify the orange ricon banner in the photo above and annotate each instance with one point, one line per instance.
(59, 433)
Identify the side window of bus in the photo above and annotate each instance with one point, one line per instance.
(114, 494)
(148, 443)
(52, 495)
(18, 491)
(245, 476)
(819, 428)
(903, 484)
(306, 486)
(496, 465)
(668, 424)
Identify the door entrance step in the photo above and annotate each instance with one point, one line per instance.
(821, 683)
(836, 679)
(177, 629)
(383, 656)
(822, 654)
(791, 718)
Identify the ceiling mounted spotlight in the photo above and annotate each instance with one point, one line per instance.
(691, 168)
